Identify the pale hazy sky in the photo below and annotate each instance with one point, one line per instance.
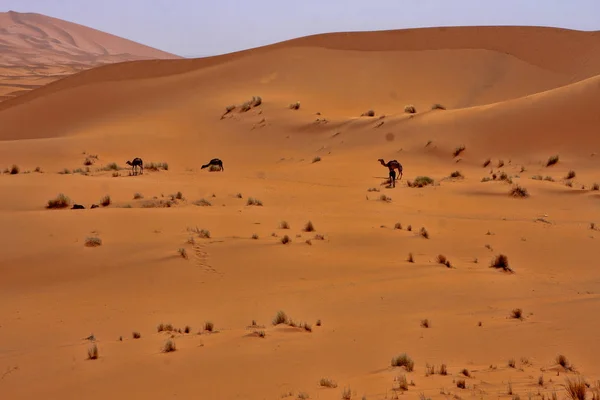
(209, 27)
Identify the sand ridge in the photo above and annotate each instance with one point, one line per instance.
(187, 246)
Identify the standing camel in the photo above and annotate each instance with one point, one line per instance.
(214, 161)
(137, 162)
(392, 165)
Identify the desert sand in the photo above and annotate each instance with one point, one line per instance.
(36, 50)
(511, 97)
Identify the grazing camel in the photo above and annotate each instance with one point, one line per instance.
(214, 161)
(392, 165)
(137, 162)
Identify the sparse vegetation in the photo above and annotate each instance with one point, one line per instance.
(369, 113)
(486, 162)
(461, 384)
(466, 372)
(425, 323)
(385, 198)
(202, 203)
(410, 109)
(512, 363)
(156, 166)
(169, 346)
(516, 313)
(346, 394)
(519, 191)
(500, 163)
(253, 202)
(441, 259)
(284, 225)
(295, 106)
(138, 196)
(136, 335)
(403, 360)
(576, 388)
(183, 253)
(443, 369)
(420, 181)
(596, 186)
(61, 201)
(326, 382)
(402, 382)
(14, 170)
(437, 106)
(458, 150)
(105, 201)
(280, 318)
(456, 174)
(316, 159)
(501, 262)
(309, 227)
(398, 226)
(563, 361)
(209, 326)
(570, 175)
(410, 258)
(93, 352)
(552, 160)
(93, 241)
(255, 236)
(286, 239)
(423, 232)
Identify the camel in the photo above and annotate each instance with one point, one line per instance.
(392, 165)
(214, 161)
(137, 162)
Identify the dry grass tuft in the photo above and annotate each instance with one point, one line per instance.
(286, 239)
(517, 313)
(596, 186)
(410, 109)
(202, 203)
(316, 159)
(326, 382)
(295, 106)
(486, 162)
(441, 259)
(458, 150)
(138, 196)
(253, 202)
(284, 225)
(423, 232)
(570, 175)
(93, 352)
(346, 394)
(563, 361)
(398, 226)
(385, 198)
(403, 360)
(461, 384)
(209, 326)
(552, 160)
(183, 253)
(280, 318)
(519, 191)
(410, 258)
(136, 335)
(93, 241)
(169, 346)
(576, 388)
(156, 166)
(425, 323)
(309, 227)
(420, 181)
(437, 106)
(512, 363)
(61, 201)
(466, 372)
(369, 113)
(443, 369)
(501, 262)
(105, 201)
(456, 174)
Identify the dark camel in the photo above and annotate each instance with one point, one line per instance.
(137, 162)
(214, 161)
(392, 165)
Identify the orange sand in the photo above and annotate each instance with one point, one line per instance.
(514, 94)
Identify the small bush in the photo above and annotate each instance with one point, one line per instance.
(441, 259)
(461, 384)
(466, 372)
(549, 179)
(138, 196)
(255, 236)
(501, 262)
(443, 369)
(295, 106)
(136, 335)
(202, 203)
(316, 159)
(519, 191)
(456, 174)
(576, 388)
(326, 382)
(346, 394)
(169, 346)
(284, 225)
(209, 326)
(398, 226)
(385, 198)
(552, 160)
(253, 202)
(369, 113)
(458, 150)
(256, 101)
(93, 242)
(403, 360)
(105, 201)
(410, 109)
(423, 232)
(14, 170)
(410, 258)
(437, 106)
(517, 313)
(420, 181)
(402, 382)
(61, 201)
(156, 166)
(187, 329)
(93, 352)
(280, 318)
(486, 163)
(596, 186)
(570, 175)
(309, 227)
(38, 170)
(286, 239)
(563, 361)
(182, 252)
(425, 323)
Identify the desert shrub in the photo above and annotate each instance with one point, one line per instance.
(563, 361)
(156, 166)
(385, 198)
(14, 170)
(441, 259)
(500, 163)
(209, 326)
(93, 241)
(280, 318)
(437, 106)
(576, 388)
(486, 163)
(286, 239)
(410, 109)
(403, 360)
(61, 201)
(169, 346)
(516, 313)
(255, 236)
(456, 174)
(136, 335)
(596, 186)
(93, 352)
(519, 191)
(420, 181)
(253, 202)
(256, 101)
(423, 232)
(410, 258)
(202, 203)
(443, 369)
(316, 159)
(570, 175)
(425, 323)
(369, 113)
(402, 382)
(284, 225)
(397, 225)
(137, 196)
(182, 252)
(466, 372)
(461, 384)
(38, 170)
(457, 151)
(326, 382)
(552, 160)
(501, 262)
(309, 227)
(295, 106)
(486, 179)
(549, 179)
(512, 363)
(105, 201)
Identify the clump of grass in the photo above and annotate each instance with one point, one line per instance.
(461, 384)
(549, 178)
(410, 258)
(500, 163)
(105, 201)
(280, 318)
(423, 232)
(295, 106)
(420, 181)
(255, 236)
(156, 166)
(456, 174)
(398, 226)
(318, 323)
(570, 175)
(187, 329)
(466, 372)
(209, 326)
(385, 198)
(516, 313)
(403, 360)
(38, 170)
(316, 159)
(93, 241)
(458, 150)
(326, 382)
(563, 361)
(202, 203)
(253, 202)
(169, 346)
(409, 228)
(519, 191)
(183, 253)
(286, 239)
(373, 190)
(501, 262)
(443, 369)
(410, 109)
(136, 335)
(402, 382)
(204, 234)
(541, 380)
(512, 363)
(441, 259)
(14, 170)
(138, 196)
(309, 227)
(486, 179)
(346, 394)
(486, 162)
(437, 106)
(93, 352)
(537, 177)
(284, 225)
(369, 113)
(61, 201)
(596, 186)
(552, 160)
(576, 388)
(425, 323)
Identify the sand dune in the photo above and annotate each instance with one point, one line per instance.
(513, 95)
(36, 50)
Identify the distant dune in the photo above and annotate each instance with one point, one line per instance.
(201, 261)
(36, 49)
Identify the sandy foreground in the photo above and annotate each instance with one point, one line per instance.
(352, 298)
